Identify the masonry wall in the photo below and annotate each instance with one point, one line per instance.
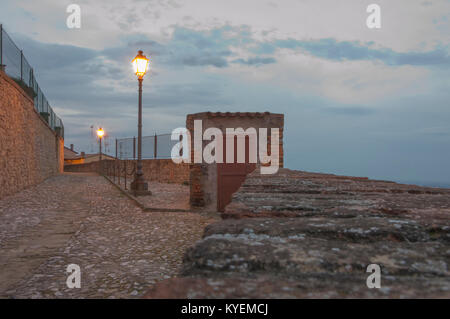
(158, 170)
(30, 151)
(82, 168)
(203, 177)
(165, 171)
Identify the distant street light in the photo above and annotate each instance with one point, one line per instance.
(140, 66)
(100, 134)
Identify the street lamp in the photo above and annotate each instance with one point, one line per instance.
(139, 185)
(100, 134)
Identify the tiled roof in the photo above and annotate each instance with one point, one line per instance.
(69, 154)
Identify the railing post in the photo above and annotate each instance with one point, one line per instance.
(21, 65)
(134, 147)
(155, 150)
(125, 163)
(119, 177)
(1, 47)
(180, 153)
(116, 148)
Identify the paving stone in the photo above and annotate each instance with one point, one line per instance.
(82, 219)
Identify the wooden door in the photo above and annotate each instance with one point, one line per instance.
(230, 176)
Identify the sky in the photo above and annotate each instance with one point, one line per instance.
(357, 101)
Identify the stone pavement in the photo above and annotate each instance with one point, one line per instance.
(162, 197)
(80, 218)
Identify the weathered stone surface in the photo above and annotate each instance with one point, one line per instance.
(298, 251)
(303, 235)
(308, 286)
(294, 193)
(358, 230)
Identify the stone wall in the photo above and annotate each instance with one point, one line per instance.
(203, 177)
(30, 151)
(82, 168)
(165, 171)
(306, 235)
(158, 170)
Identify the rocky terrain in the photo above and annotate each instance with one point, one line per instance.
(306, 235)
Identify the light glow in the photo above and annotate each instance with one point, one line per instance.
(100, 132)
(140, 64)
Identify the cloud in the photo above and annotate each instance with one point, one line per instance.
(256, 61)
(201, 48)
(189, 47)
(356, 102)
(204, 59)
(349, 110)
(332, 49)
(53, 55)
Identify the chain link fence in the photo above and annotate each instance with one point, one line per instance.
(16, 66)
(154, 146)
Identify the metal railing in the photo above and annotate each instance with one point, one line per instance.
(16, 66)
(122, 170)
(154, 146)
(118, 171)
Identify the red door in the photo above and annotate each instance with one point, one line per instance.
(230, 176)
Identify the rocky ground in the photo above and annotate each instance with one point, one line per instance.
(82, 219)
(304, 235)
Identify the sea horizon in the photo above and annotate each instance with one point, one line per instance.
(425, 183)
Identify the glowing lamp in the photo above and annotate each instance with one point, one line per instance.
(140, 64)
(100, 132)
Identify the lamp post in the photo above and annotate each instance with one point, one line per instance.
(140, 186)
(100, 134)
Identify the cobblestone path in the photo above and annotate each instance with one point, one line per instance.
(163, 195)
(82, 219)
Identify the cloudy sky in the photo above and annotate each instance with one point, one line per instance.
(357, 101)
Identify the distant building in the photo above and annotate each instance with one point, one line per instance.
(72, 157)
(89, 158)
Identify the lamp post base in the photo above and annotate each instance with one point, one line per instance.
(139, 187)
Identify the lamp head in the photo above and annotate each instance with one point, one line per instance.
(140, 64)
(100, 132)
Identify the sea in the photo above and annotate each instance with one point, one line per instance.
(426, 184)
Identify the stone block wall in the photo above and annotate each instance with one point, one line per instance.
(203, 177)
(158, 170)
(320, 230)
(82, 168)
(165, 171)
(30, 151)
